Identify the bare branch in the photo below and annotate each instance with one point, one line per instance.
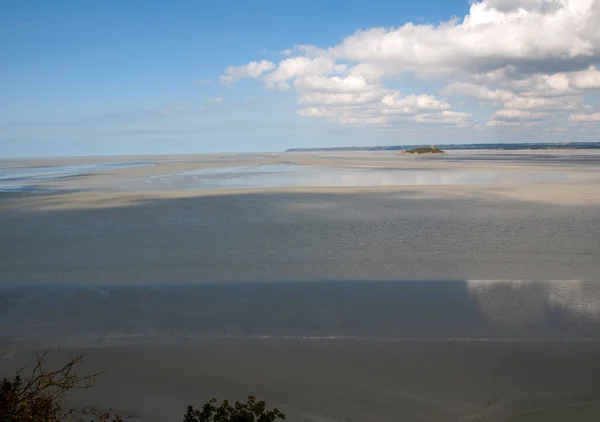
(39, 396)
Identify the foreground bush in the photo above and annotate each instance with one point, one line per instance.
(38, 398)
(251, 411)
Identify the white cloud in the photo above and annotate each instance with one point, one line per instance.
(251, 70)
(334, 91)
(511, 6)
(561, 83)
(348, 115)
(518, 116)
(532, 38)
(294, 67)
(585, 79)
(555, 104)
(368, 71)
(279, 86)
(215, 100)
(445, 117)
(502, 123)
(316, 112)
(348, 83)
(526, 100)
(555, 129)
(584, 118)
(339, 98)
(363, 120)
(529, 60)
(412, 104)
(543, 84)
(478, 92)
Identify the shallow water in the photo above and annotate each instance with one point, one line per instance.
(290, 175)
(23, 178)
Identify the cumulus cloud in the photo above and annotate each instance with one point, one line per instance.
(445, 117)
(346, 115)
(533, 99)
(533, 103)
(478, 92)
(316, 112)
(518, 116)
(556, 84)
(251, 70)
(363, 120)
(338, 98)
(368, 71)
(508, 6)
(294, 67)
(338, 84)
(412, 104)
(528, 60)
(584, 118)
(495, 34)
(585, 79)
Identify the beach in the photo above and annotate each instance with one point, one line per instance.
(337, 286)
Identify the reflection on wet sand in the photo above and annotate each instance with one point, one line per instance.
(291, 175)
(519, 301)
(23, 178)
(386, 311)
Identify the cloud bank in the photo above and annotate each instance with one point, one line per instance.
(527, 62)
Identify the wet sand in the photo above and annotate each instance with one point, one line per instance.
(406, 235)
(343, 380)
(94, 253)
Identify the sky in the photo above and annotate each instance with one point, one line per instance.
(119, 77)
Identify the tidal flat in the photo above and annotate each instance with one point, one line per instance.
(336, 286)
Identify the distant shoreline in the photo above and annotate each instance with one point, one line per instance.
(497, 146)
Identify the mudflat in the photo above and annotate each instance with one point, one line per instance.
(339, 287)
(134, 224)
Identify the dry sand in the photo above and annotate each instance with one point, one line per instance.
(88, 230)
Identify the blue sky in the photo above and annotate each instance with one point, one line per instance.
(148, 77)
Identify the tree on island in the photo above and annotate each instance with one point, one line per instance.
(423, 150)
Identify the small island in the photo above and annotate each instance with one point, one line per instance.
(422, 150)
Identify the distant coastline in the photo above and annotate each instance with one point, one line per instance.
(498, 146)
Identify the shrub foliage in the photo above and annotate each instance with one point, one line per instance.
(38, 398)
(250, 411)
